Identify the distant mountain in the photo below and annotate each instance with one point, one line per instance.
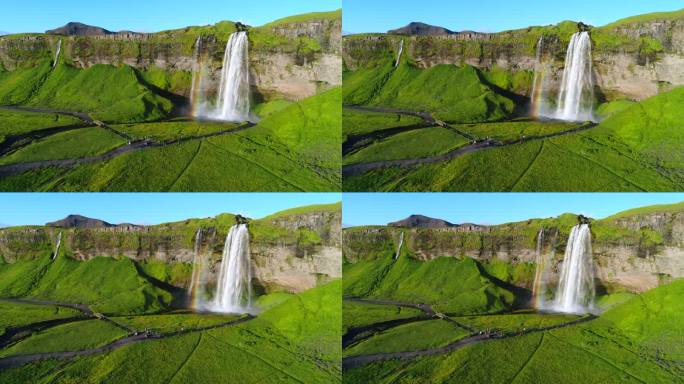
(80, 29)
(420, 221)
(421, 29)
(78, 221)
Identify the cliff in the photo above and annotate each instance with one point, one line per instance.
(291, 251)
(634, 58)
(634, 250)
(292, 58)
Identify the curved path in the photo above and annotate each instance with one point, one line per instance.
(361, 360)
(360, 168)
(133, 337)
(13, 169)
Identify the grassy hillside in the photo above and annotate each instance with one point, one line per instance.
(635, 149)
(431, 90)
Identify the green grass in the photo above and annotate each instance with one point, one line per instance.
(429, 282)
(516, 321)
(67, 337)
(305, 17)
(430, 90)
(67, 145)
(360, 314)
(170, 322)
(356, 123)
(424, 142)
(648, 17)
(410, 337)
(294, 149)
(14, 122)
(172, 130)
(517, 129)
(18, 314)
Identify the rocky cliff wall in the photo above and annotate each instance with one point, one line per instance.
(289, 60)
(637, 252)
(634, 60)
(291, 253)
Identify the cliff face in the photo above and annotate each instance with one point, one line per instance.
(637, 252)
(635, 59)
(293, 60)
(292, 253)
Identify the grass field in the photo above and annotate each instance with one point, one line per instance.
(360, 314)
(356, 123)
(14, 122)
(295, 148)
(18, 314)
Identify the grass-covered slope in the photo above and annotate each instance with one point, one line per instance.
(635, 149)
(106, 284)
(451, 93)
(635, 342)
(428, 282)
(296, 341)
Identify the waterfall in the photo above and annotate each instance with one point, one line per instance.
(59, 49)
(401, 50)
(197, 74)
(234, 289)
(233, 98)
(401, 242)
(539, 108)
(539, 285)
(196, 282)
(576, 97)
(576, 285)
(59, 242)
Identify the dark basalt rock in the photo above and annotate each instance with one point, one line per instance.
(581, 219)
(239, 219)
(241, 27)
(581, 27)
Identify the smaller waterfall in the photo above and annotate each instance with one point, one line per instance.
(59, 242)
(196, 282)
(537, 97)
(576, 97)
(233, 98)
(197, 73)
(401, 242)
(576, 289)
(59, 49)
(234, 288)
(401, 50)
(539, 285)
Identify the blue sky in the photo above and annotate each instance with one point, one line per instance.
(148, 208)
(491, 15)
(149, 15)
(490, 208)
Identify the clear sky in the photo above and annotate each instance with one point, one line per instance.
(491, 15)
(148, 208)
(490, 208)
(149, 15)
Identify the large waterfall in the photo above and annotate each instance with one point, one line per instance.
(59, 242)
(233, 99)
(576, 97)
(196, 282)
(576, 285)
(234, 288)
(539, 286)
(59, 49)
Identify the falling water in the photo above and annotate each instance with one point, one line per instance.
(401, 50)
(59, 242)
(233, 99)
(196, 282)
(540, 69)
(234, 290)
(576, 286)
(539, 276)
(59, 49)
(576, 97)
(401, 242)
(197, 77)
